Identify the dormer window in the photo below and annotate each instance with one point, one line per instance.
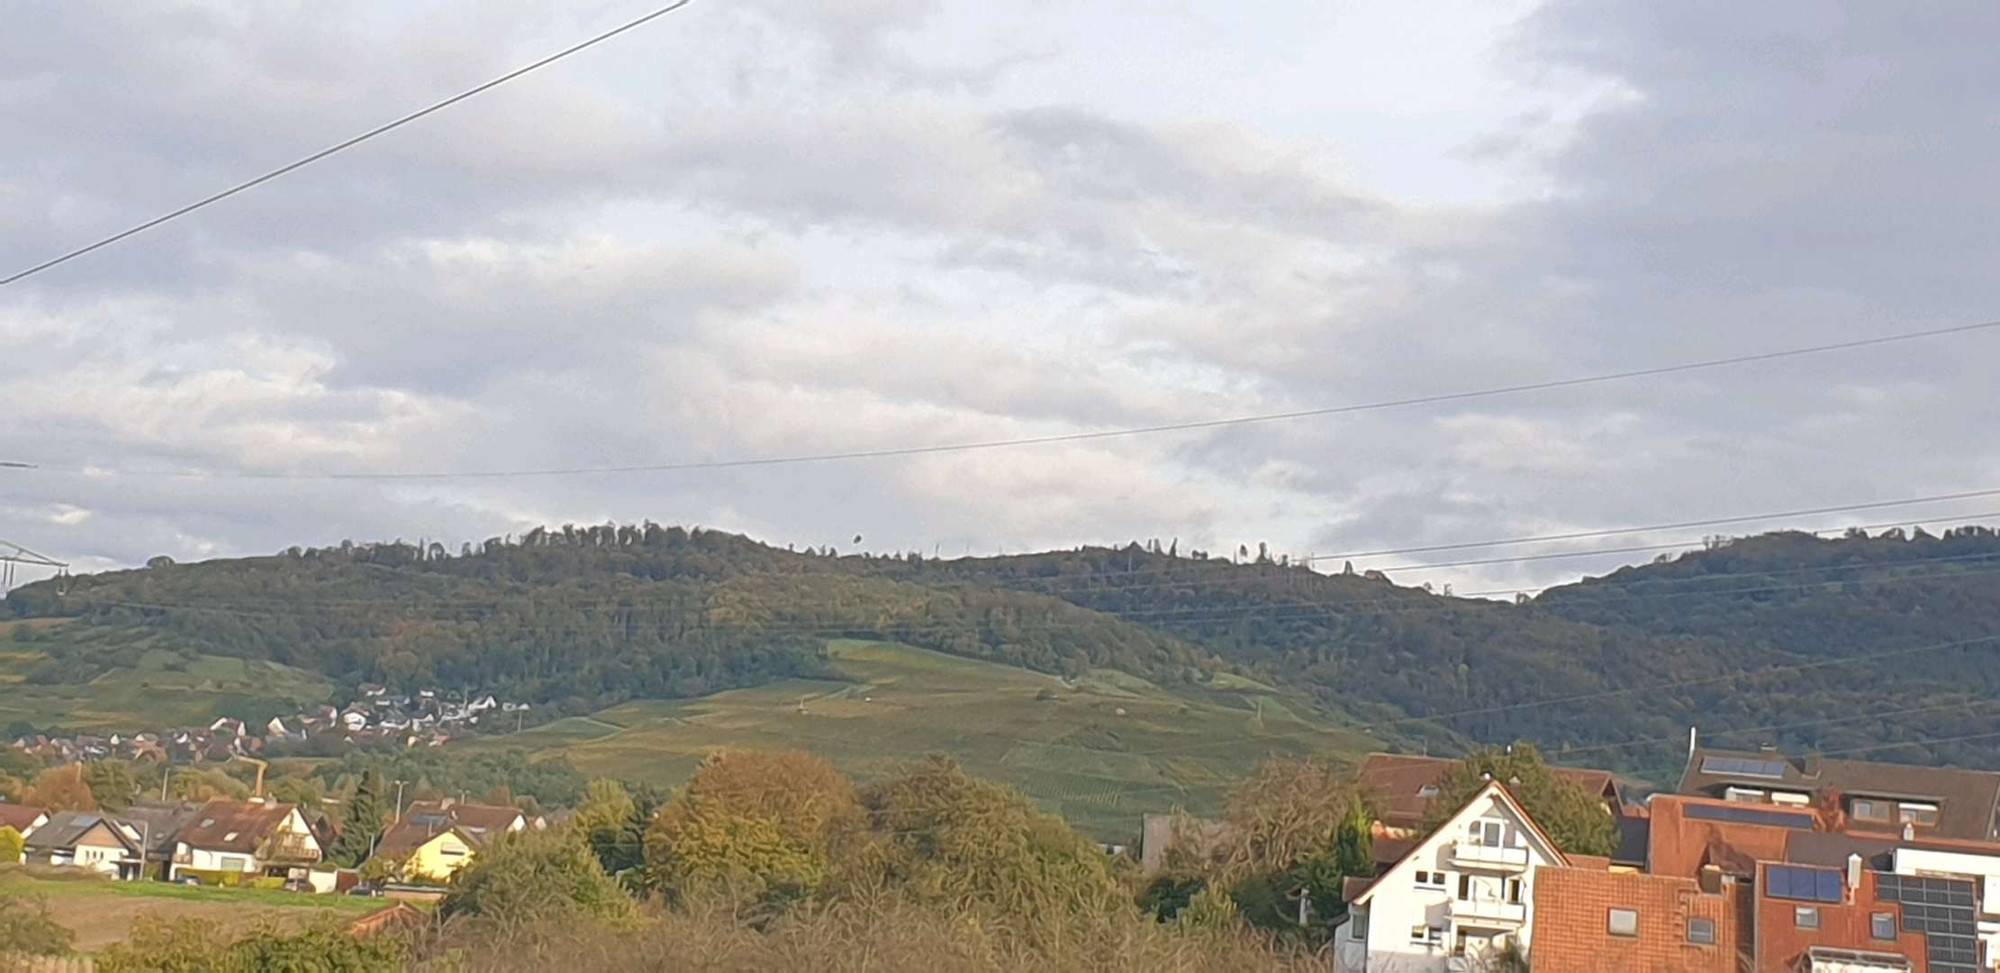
(1918, 814)
(1428, 790)
(1869, 809)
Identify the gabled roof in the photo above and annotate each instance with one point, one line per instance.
(1400, 786)
(1493, 790)
(237, 826)
(65, 828)
(157, 824)
(474, 823)
(20, 817)
(1967, 800)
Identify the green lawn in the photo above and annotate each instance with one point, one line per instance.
(1076, 754)
(101, 912)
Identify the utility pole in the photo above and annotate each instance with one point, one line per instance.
(399, 799)
(12, 554)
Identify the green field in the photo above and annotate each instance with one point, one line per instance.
(143, 685)
(1076, 754)
(101, 911)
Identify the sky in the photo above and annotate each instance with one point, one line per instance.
(767, 228)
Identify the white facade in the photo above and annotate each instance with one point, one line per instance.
(1464, 891)
(292, 831)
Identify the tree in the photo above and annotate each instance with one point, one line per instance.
(532, 875)
(61, 789)
(11, 844)
(764, 821)
(111, 782)
(362, 822)
(1576, 820)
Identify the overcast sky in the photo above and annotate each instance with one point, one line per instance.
(769, 227)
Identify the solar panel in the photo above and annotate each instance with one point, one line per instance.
(1750, 815)
(1941, 909)
(1803, 884)
(1743, 767)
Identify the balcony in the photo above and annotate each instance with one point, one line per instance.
(1489, 858)
(1487, 912)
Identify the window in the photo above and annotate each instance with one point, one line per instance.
(232, 863)
(1919, 814)
(1427, 935)
(1430, 880)
(1805, 916)
(1357, 927)
(1489, 833)
(1428, 790)
(1465, 888)
(1701, 931)
(1882, 925)
(1513, 891)
(1743, 795)
(1867, 810)
(1624, 922)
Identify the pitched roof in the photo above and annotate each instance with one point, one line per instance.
(227, 825)
(20, 817)
(1400, 786)
(474, 823)
(1493, 789)
(65, 828)
(158, 824)
(1684, 833)
(1968, 800)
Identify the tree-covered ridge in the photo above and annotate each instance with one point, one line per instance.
(590, 616)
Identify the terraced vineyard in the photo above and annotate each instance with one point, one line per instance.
(1100, 750)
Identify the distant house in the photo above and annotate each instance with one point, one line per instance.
(436, 838)
(227, 726)
(1933, 802)
(373, 689)
(1400, 786)
(246, 837)
(481, 704)
(84, 839)
(24, 818)
(155, 826)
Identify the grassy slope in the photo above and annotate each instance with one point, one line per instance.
(895, 703)
(149, 695)
(100, 911)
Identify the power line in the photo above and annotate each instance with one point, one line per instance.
(350, 143)
(1680, 525)
(904, 451)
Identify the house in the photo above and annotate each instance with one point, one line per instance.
(23, 818)
(1599, 919)
(1941, 802)
(246, 837)
(227, 726)
(1400, 786)
(1974, 862)
(1464, 891)
(1856, 920)
(373, 689)
(482, 704)
(155, 826)
(1687, 834)
(433, 839)
(84, 839)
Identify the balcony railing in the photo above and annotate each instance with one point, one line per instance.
(1488, 911)
(1489, 857)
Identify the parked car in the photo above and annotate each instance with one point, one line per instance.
(297, 885)
(187, 880)
(367, 889)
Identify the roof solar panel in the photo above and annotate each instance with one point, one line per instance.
(1743, 767)
(1803, 884)
(1941, 909)
(1798, 820)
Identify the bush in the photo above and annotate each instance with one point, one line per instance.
(158, 945)
(26, 928)
(530, 875)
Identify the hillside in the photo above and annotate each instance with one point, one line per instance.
(1098, 749)
(587, 619)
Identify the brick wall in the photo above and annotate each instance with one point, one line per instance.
(1572, 930)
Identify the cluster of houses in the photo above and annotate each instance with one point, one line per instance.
(378, 717)
(226, 841)
(1758, 861)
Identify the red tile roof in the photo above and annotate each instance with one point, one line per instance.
(1680, 845)
(1396, 783)
(1572, 922)
(236, 826)
(20, 817)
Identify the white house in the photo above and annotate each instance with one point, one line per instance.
(84, 839)
(248, 837)
(1465, 890)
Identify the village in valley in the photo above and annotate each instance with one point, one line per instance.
(377, 717)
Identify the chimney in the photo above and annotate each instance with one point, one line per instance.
(1692, 738)
(1853, 871)
(1909, 831)
(1710, 879)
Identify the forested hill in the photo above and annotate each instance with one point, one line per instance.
(1780, 630)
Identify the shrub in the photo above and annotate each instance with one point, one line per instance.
(530, 875)
(26, 928)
